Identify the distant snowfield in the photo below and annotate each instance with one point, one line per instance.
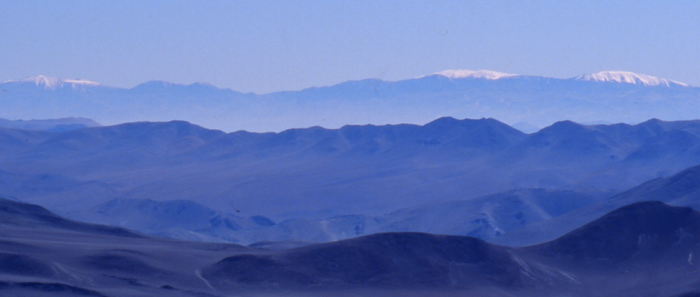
(484, 74)
(53, 82)
(630, 78)
(528, 101)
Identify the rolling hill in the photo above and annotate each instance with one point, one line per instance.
(642, 249)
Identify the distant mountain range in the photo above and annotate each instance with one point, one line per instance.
(526, 102)
(58, 125)
(451, 207)
(320, 184)
(642, 249)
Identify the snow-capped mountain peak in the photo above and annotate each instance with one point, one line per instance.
(630, 78)
(483, 74)
(53, 83)
(48, 82)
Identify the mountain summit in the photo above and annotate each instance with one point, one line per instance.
(54, 83)
(482, 74)
(630, 78)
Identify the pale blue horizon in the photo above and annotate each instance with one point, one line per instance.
(268, 46)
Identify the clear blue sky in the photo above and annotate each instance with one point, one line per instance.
(265, 46)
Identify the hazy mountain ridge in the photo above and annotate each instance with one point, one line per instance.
(339, 179)
(483, 217)
(58, 125)
(612, 96)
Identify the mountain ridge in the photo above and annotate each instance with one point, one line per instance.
(50, 82)
(630, 78)
(368, 170)
(533, 101)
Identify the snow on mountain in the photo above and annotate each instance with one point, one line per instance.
(482, 74)
(54, 83)
(630, 78)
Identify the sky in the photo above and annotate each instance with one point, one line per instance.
(266, 46)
